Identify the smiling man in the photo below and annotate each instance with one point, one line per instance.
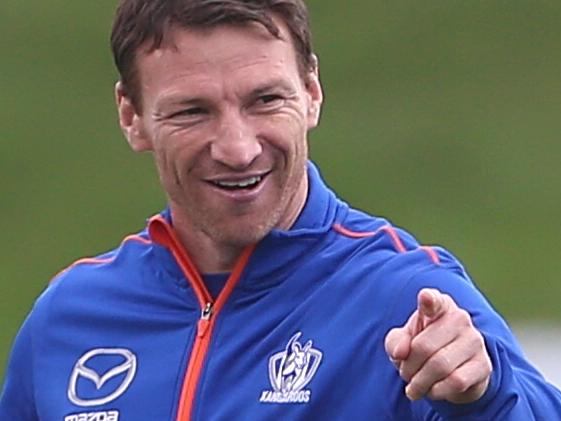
(225, 112)
(257, 294)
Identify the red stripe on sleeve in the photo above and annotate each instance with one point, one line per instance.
(394, 236)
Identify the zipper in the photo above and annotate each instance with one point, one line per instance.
(162, 233)
(204, 322)
(205, 326)
(207, 311)
(196, 362)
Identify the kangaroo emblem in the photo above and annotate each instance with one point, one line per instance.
(291, 370)
(293, 365)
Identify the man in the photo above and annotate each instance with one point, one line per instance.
(258, 294)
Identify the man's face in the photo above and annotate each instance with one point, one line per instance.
(226, 112)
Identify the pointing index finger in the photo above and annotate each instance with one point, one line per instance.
(432, 304)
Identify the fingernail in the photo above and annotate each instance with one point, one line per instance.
(409, 393)
(432, 294)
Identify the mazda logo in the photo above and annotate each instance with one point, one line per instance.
(81, 370)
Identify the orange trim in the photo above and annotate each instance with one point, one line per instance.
(138, 239)
(386, 228)
(86, 260)
(205, 329)
(97, 260)
(164, 234)
(393, 235)
(395, 238)
(353, 234)
(432, 254)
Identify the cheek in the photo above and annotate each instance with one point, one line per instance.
(170, 169)
(287, 133)
(176, 150)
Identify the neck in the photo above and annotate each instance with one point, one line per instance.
(208, 256)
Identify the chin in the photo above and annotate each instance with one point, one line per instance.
(244, 237)
(244, 233)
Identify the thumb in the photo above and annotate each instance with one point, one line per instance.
(432, 304)
(398, 344)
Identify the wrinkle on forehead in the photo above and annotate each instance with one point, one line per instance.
(194, 64)
(207, 89)
(172, 41)
(256, 29)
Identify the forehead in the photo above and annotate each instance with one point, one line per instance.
(200, 57)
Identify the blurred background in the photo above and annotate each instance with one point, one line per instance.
(441, 115)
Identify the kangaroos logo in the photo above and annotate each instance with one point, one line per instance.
(290, 371)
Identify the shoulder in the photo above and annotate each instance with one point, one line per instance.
(395, 262)
(122, 258)
(394, 267)
(89, 279)
(372, 236)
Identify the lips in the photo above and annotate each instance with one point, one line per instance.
(239, 183)
(246, 183)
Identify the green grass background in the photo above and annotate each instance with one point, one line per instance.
(442, 115)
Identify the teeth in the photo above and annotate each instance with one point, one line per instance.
(240, 184)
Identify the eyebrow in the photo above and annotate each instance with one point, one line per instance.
(163, 107)
(275, 85)
(179, 100)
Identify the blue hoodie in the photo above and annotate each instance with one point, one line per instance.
(297, 333)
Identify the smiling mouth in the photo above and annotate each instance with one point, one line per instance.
(243, 184)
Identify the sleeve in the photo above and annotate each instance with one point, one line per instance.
(517, 391)
(17, 400)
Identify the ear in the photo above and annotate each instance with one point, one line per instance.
(315, 93)
(130, 121)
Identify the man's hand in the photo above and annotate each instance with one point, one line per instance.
(439, 353)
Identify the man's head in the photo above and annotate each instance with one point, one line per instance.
(224, 105)
(145, 24)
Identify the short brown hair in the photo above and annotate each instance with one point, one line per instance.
(144, 22)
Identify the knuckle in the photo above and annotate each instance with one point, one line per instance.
(442, 359)
(437, 392)
(440, 365)
(458, 382)
(449, 301)
(481, 341)
(462, 318)
(486, 366)
(422, 347)
(472, 340)
(477, 342)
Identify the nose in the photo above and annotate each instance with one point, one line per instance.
(236, 144)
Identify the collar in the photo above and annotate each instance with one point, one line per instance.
(280, 250)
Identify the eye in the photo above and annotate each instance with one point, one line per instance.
(189, 112)
(267, 103)
(270, 98)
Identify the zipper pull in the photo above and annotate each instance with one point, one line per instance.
(206, 312)
(204, 321)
